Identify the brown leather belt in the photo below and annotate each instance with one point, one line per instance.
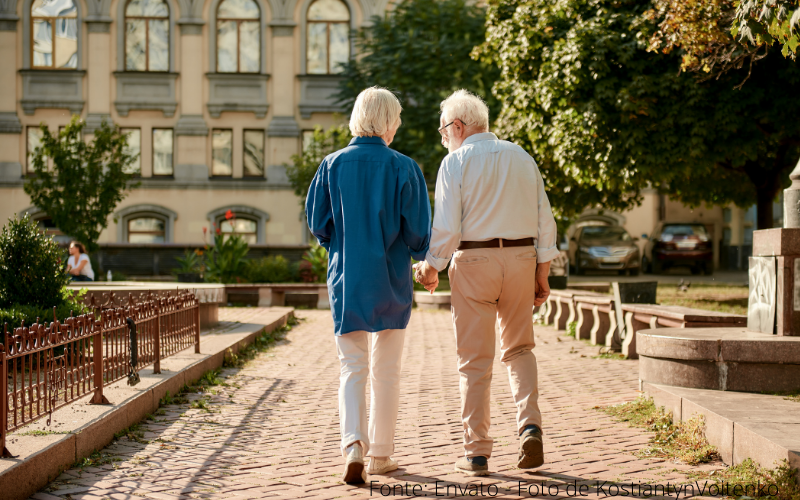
(495, 243)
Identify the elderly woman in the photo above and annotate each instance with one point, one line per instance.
(368, 206)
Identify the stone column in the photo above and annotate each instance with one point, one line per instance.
(774, 305)
(10, 128)
(791, 200)
(191, 131)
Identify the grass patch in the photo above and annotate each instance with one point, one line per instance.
(134, 433)
(725, 299)
(684, 441)
(739, 480)
(38, 432)
(261, 343)
(572, 328)
(96, 459)
(610, 355)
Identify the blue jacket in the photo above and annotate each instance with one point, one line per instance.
(368, 206)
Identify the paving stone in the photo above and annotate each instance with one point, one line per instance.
(272, 431)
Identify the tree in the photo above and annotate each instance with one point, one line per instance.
(420, 51)
(605, 118)
(304, 166)
(87, 181)
(716, 36)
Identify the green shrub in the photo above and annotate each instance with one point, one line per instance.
(31, 267)
(317, 257)
(272, 269)
(225, 262)
(17, 315)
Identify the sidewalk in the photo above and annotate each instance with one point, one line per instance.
(273, 432)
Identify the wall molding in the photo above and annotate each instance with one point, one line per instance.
(9, 123)
(52, 89)
(138, 90)
(237, 92)
(318, 94)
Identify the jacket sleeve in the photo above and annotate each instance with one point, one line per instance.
(318, 208)
(416, 213)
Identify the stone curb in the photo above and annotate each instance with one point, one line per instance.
(43, 458)
(740, 425)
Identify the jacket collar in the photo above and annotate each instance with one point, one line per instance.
(485, 136)
(367, 140)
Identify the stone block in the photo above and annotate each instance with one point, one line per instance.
(718, 429)
(778, 241)
(39, 460)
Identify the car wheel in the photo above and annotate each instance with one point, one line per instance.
(695, 269)
(646, 265)
(634, 271)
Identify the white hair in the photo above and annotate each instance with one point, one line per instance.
(376, 112)
(467, 107)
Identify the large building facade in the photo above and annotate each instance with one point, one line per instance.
(215, 94)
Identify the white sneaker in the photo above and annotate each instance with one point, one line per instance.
(354, 472)
(382, 466)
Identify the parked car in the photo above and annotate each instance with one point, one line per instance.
(678, 244)
(604, 248)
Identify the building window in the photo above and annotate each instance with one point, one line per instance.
(34, 140)
(246, 228)
(134, 148)
(162, 151)
(238, 37)
(146, 230)
(222, 153)
(327, 43)
(147, 35)
(54, 32)
(253, 153)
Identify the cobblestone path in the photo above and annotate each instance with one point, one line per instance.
(273, 431)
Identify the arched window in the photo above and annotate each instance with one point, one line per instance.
(147, 35)
(246, 228)
(147, 229)
(54, 30)
(327, 43)
(238, 37)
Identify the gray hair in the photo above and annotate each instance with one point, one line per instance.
(467, 107)
(376, 112)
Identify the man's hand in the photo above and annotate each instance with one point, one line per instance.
(542, 285)
(426, 275)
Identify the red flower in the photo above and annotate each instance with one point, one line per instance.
(205, 230)
(218, 231)
(229, 215)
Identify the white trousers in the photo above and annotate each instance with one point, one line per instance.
(383, 369)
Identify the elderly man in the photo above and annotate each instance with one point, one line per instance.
(494, 219)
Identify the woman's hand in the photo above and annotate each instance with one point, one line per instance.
(426, 275)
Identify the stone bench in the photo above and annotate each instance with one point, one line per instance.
(649, 316)
(597, 320)
(561, 310)
(274, 294)
(435, 300)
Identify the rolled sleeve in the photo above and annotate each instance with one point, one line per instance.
(547, 240)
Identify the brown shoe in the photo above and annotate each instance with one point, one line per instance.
(473, 466)
(531, 450)
(354, 471)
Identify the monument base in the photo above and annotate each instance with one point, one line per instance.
(724, 359)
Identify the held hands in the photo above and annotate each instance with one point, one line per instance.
(426, 275)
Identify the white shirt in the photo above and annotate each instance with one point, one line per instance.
(87, 269)
(489, 189)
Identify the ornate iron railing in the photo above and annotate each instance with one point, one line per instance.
(45, 367)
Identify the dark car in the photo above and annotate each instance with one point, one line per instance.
(603, 248)
(679, 244)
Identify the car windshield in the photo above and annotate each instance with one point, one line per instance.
(685, 230)
(605, 233)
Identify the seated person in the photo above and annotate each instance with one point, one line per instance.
(78, 265)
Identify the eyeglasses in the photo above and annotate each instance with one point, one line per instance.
(441, 130)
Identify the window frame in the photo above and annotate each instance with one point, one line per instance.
(153, 153)
(52, 20)
(28, 159)
(263, 153)
(218, 176)
(163, 233)
(308, 21)
(221, 220)
(239, 22)
(146, 20)
(131, 129)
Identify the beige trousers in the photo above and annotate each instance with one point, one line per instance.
(491, 284)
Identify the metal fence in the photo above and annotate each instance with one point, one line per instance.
(45, 367)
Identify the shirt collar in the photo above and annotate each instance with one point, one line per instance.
(367, 140)
(485, 136)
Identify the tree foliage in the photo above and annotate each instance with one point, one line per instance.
(31, 266)
(421, 51)
(87, 181)
(606, 119)
(717, 36)
(304, 166)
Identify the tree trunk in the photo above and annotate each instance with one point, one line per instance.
(764, 218)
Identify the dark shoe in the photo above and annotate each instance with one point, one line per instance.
(473, 466)
(531, 452)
